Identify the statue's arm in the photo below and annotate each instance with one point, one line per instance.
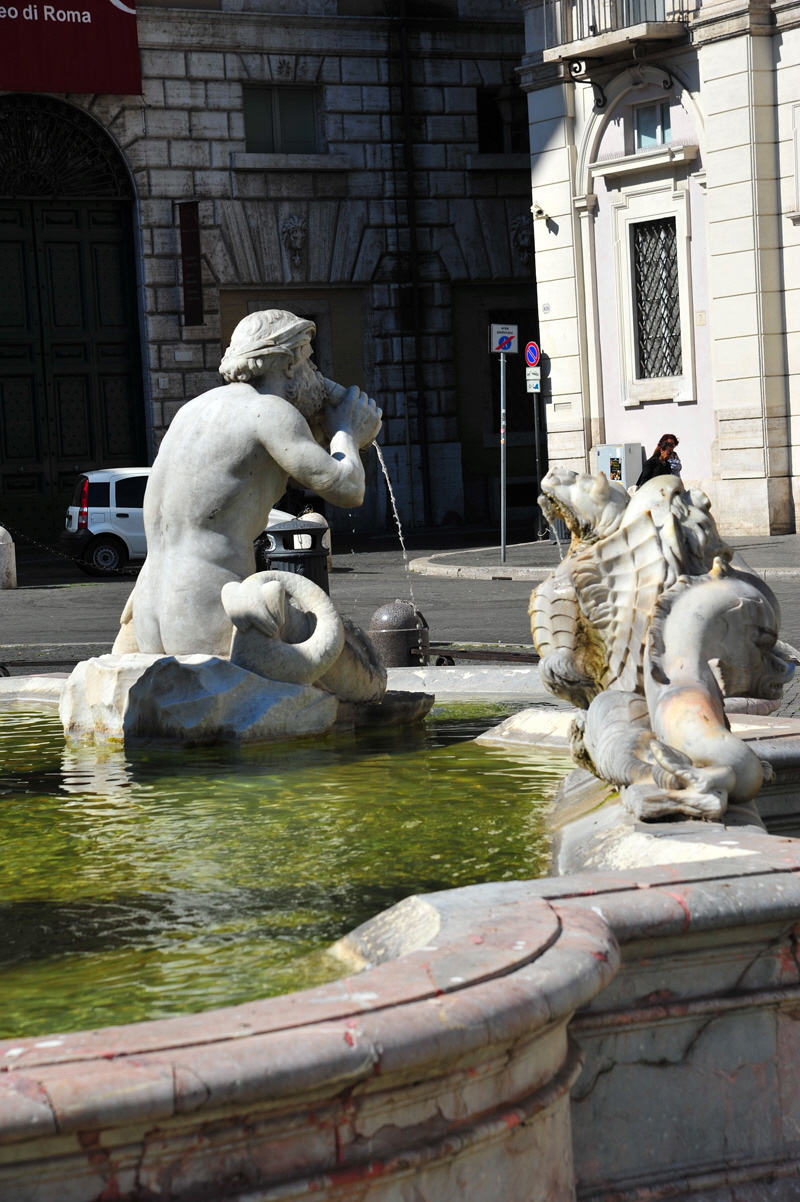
(337, 477)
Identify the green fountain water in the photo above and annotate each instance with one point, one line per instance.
(150, 883)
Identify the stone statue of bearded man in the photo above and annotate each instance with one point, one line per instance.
(223, 464)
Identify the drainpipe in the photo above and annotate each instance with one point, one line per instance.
(402, 26)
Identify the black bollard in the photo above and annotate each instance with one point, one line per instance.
(400, 635)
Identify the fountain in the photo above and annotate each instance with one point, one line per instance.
(210, 652)
(234, 779)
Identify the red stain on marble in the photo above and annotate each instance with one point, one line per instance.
(683, 905)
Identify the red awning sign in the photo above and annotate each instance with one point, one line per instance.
(70, 46)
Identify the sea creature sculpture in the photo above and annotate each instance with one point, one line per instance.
(647, 627)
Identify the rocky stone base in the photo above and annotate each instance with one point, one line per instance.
(395, 709)
(593, 832)
(202, 700)
(191, 699)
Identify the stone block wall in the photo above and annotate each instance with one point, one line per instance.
(185, 141)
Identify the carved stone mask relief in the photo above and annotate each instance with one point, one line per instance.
(294, 231)
(522, 237)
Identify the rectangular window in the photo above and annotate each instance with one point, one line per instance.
(651, 125)
(98, 495)
(129, 492)
(502, 120)
(658, 317)
(280, 120)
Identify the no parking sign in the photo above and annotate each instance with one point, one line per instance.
(532, 354)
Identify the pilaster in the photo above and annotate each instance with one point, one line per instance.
(745, 280)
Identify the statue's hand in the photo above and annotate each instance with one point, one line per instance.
(356, 415)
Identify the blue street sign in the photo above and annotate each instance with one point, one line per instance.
(531, 354)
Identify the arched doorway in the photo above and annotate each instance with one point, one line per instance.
(70, 369)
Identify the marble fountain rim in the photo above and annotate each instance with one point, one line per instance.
(501, 960)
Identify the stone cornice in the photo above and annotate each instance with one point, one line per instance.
(717, 22)
(535, 75)
(787, 14)
(277, 33)
(664, 156)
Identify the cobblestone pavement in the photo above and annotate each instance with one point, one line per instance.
(790, 707)
(56, 604)
(779, 552)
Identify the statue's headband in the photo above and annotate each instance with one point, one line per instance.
(273, 332)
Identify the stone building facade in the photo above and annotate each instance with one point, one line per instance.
(664, 138)
(402, 227)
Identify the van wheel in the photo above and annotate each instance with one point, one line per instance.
(104, 557)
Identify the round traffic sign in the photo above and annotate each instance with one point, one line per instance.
(505, 342)
(531, 354)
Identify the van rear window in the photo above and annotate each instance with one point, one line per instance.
(99, 495)
(129, 492)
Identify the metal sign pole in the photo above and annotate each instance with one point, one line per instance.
(533, 383)
(502, 457)
(539, 514)
(502, 342)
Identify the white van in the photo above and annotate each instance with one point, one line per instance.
(104, 527)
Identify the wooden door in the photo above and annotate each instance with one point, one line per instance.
(70, 374)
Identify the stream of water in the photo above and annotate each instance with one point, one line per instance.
(397, 521)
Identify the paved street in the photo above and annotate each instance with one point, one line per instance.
(57, 604)
(58, 613)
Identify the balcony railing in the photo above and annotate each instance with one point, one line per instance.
(568, 21)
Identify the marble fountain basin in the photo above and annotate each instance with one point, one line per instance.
(627, 1034)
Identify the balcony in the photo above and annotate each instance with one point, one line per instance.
(578, 29)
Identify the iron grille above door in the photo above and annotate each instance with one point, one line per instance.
(658, 316)
(53, 150)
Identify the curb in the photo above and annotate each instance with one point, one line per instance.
(429, 566)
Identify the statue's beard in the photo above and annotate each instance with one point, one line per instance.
(307, 394)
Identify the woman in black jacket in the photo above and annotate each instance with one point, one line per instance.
(659, 462)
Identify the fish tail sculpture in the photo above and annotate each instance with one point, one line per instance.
(286, 628)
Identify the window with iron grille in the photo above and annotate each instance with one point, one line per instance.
(658, 316)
